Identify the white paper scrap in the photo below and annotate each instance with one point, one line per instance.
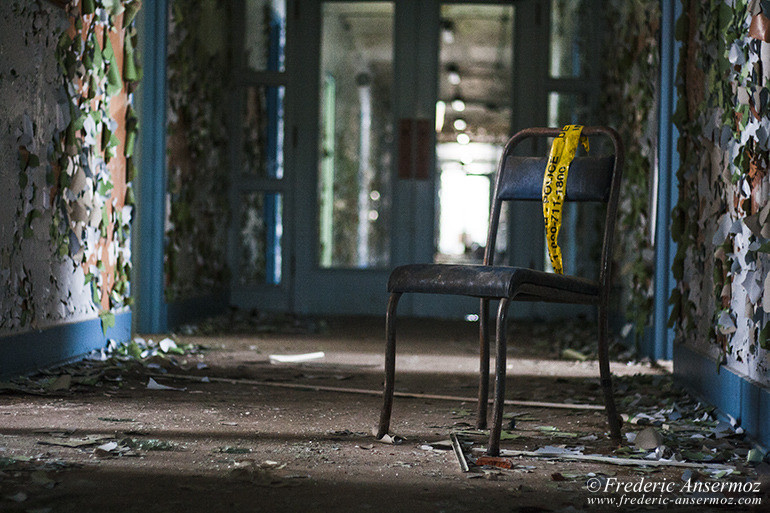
(154, 385)
(167, 344)
(295, 358)
(108, 447)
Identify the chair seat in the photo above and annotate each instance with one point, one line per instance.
(486, 281)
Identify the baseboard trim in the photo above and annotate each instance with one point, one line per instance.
(732, 393)
(27, 352)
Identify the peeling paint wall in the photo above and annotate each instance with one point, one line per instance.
(34, 112)
(197, 210)
(722, 220)
(66, 137)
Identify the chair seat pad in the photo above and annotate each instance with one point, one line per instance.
(482, 280)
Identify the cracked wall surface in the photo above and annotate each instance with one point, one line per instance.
(67, 135)
(721, 223)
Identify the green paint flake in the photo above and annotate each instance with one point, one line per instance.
(132, 8)
(114, 82)
(33, 214)
(763, 338)
(132, 72)
(114, 7)
(95, 297)
(108, 321)
(89, 6)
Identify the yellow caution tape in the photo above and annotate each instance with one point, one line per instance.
(555, 187)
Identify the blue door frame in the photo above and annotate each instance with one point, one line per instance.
(150, 310)
(668, 162)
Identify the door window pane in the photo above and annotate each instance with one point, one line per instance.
(473, 119)
(569, 28)
(356, 133)
(263, 131)
(261, 230)
(265, 34)
(465, 190)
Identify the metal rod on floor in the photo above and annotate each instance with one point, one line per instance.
(363, 391)
(596, 458)
(459, 452)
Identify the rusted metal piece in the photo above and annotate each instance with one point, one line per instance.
(458, 449)
(405, 168)
(481, 419)
(494, 461)
(414, 148)
(613, 418)
(500, 368)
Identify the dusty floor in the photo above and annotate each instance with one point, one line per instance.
(101, 441)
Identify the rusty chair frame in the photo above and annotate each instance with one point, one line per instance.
(520, 178)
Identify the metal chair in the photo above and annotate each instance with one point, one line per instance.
(519, 178)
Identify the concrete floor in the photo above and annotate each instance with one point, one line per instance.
(225, 443)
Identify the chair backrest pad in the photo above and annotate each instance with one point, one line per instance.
(589, 178)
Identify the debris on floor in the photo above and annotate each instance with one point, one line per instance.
(665, 428)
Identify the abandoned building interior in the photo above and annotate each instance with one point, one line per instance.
(202, 203)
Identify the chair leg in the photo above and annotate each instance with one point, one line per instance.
(500, 363)
(481, 421)
(606, 377)
(390, 366)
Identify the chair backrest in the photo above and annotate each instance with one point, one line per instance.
(592, 178)
(589, 178)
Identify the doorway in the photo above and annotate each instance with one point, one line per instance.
(395, 116)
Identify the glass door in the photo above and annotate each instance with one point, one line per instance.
(344, 129)
(393, 95)
(355, 136)
(473, 122)
(400, 111)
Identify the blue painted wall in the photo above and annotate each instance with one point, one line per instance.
(732, 393)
